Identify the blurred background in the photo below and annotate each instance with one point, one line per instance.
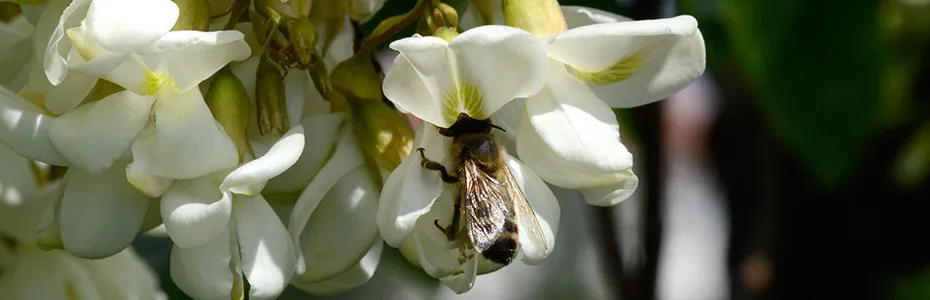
(795, 168)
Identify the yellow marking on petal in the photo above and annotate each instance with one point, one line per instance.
(154, 81)
(70, 291)
(465, 98)
(85, 48)
(619, 71)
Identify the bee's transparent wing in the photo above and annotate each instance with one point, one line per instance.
(485, 206)
(532, 237)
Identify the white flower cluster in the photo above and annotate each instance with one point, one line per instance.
(266, 151)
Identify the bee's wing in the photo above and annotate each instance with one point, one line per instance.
(486, 206)
(526, 217)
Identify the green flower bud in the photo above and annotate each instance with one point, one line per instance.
(194, 15)
(302, 35)
(293, 9)
(271, 102)
(356, 77)
(542, 18)
(382, 132)
(8, 11)
(449, 15)
(230, 105)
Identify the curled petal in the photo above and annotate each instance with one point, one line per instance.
(208, 271)
(59, 47)
(268, 255)
(411, 189)
(100, 213)
(632, 63)
(577, 126)
(323, 133)
(94, 135)
(24, 128)
(189, 142)
(577, 16)
(476, 73)
(249, 178)
(194, 211)
(610, 195)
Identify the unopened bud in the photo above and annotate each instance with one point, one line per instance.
(230, 105)
(449, 15)
(270, 99)
(8, 11)
(356, 77)
(194, 15)
(302, 35)
(542, 18)
(382, 132)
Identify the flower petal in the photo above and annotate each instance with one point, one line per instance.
(545, 207)
(94, 135)
(323, 132)
(410, 190)
(633, 63)
(208, 271)
(100, 213)
(534, 152)
(268, 254)
(463, 282)
(610, 195)
(123, 276)
(126, 25)
(67, 95)
(195, 211)
(59, 47)
(24, 128)
(189, 142)
(355, 276)
(577, 126)
(342, 229)
(249, 178)
(577, 16)
(139, 171)
(16, 187)
(346, 157)
(421, 76)
(46, 275)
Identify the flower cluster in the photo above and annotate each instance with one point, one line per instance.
(274, 152)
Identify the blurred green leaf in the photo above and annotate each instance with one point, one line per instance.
(913, 163)
(815, 70)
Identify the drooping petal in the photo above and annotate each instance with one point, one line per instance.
(323, 130)
(127, 25)
(208, 271)
(100, 213)
(632, 63)
(24, 128)
(342, 228)
(268, 254)
(189, 142)
(477, 73)
(182, 59)
(194, 210)
(535, 153)
(546, 208)
(355, 276)
(94, 135)
(610, 195)
(139, 171)
(410, 190)
(430, 248)
(123, 276)
(577, 126)
(249, 178)
(59, 46)
(346, 157)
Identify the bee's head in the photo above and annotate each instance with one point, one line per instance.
(466, 124)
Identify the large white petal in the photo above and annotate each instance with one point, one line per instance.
(46, 275)
(430, 248)
(249, 178)
(411, 189)
(422, 75)
(24, 128)
(189, 142)
(577, 126)
(100, 213)
(127, 25)
(534, 152)
(610, 195)
(633, 63)
(59, 46)
(124, 276)
(355, 276)
(139, 171)
(268, 254)
(321, 137)
(544, 205)
(94, 135)
(64, 97)
(342, 228)
(346, 157)
(209, 271)
(194, 210)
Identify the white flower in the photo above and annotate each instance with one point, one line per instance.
(224, 229)
(571, 136)
(476, 73)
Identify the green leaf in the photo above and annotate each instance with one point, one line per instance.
(814, 68)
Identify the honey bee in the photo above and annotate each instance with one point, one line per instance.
(495, 208)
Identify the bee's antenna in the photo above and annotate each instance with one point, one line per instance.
(498, 127)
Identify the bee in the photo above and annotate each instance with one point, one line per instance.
(490, 202)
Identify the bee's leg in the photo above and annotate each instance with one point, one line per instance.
(452, 230)
(432, 165)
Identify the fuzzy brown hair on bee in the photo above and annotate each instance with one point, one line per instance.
(490, 201)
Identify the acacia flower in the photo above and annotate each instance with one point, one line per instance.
(476, 73)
